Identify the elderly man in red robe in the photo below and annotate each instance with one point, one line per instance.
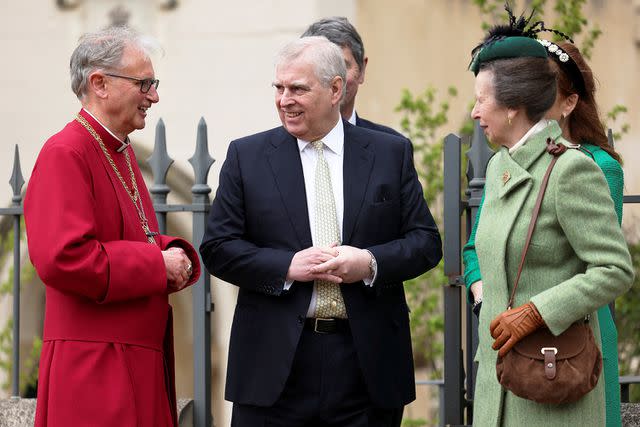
(107, 355)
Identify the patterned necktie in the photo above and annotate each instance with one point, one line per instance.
(329, 302)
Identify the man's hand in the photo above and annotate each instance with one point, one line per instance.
(512, 325)
(303, 262)
(351, 264)
(178, 268)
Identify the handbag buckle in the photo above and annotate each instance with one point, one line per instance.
(545, 349)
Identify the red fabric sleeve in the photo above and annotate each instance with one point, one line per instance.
(64, 221)
(166, 242)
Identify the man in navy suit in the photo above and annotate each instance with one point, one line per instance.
(340, 31)
(289, 365)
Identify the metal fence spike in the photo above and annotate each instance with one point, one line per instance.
(201, 161)
(610, 140)
(16, 180)
(159, 161)
(479, 154)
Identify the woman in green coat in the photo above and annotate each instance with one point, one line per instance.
(578, 260)
(576, 111)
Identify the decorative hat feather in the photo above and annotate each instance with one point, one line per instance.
(517, 39)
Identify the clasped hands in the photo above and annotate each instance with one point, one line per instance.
(512, 325)
(337, 264)
(178, 267)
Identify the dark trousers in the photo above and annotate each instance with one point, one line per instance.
(325, 389)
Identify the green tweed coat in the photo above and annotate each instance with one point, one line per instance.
(578, 261)
(608, 334)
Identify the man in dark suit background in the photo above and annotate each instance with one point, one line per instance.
(340, 31)
(320, 335)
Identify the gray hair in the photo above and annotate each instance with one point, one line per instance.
(523, 82)
(325, 56)
(340, 31)
(103, 50)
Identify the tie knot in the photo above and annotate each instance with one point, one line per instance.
(318, 145)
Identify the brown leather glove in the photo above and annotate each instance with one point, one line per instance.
(512, 325)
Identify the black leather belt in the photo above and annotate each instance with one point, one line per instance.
(326, 326)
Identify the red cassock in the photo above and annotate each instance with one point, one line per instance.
(107, 355)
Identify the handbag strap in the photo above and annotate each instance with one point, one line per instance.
(555, 150)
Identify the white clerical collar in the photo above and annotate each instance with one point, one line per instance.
(534, 129)
(124, 144)
(334, 140)
(352, 119)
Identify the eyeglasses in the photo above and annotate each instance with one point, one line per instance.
(145, 84)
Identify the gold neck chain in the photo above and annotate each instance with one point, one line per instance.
(133, 193)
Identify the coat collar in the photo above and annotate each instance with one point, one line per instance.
(109, 139)
(515, 167)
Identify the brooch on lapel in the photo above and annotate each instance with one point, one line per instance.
(506, 176)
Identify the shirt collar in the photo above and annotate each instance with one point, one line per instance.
(123, 144)
(352, 119)
(534, 129)
(334, 140)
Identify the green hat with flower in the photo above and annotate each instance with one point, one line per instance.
(516, 40)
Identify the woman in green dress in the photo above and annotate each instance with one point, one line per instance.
(576, 111)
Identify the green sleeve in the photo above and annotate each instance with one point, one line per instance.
(615, 179)
(470, 257)
(612, 172)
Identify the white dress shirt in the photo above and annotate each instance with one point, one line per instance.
(352, 119)
(333, 151)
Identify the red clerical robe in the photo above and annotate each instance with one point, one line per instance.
(107, 353)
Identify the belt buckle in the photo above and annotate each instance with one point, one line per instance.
(315, 325)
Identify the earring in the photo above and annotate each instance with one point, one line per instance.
(509, 119)
(562, 116)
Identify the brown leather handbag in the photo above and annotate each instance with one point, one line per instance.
(542, 367)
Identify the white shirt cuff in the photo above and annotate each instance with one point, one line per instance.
(287, 285)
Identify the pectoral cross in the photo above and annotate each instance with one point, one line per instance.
(148, 232)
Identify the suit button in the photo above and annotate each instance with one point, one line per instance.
(301, 319)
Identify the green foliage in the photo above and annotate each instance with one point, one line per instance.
(612, 118)
(29, 371)
(420, 422)
(422, 117)
(627, 320)
(492, 8)
(569, 19)
(29, 376)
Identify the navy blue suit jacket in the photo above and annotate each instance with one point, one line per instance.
(259, 220)
(368, 124)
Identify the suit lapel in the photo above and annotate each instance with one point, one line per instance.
(357, 167)
(284, 159)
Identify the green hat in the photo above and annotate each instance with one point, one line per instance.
(506, 47)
